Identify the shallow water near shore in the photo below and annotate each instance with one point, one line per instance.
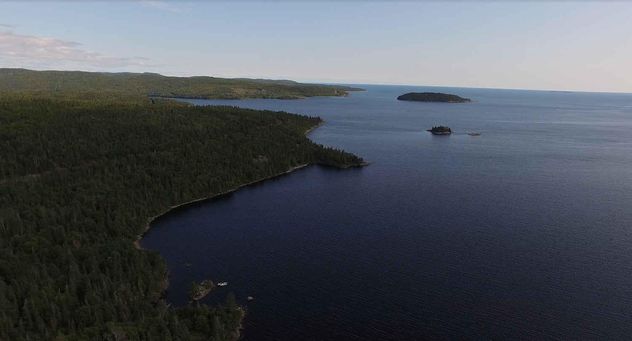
(522, 232)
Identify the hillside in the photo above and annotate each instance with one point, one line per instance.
(151, 84)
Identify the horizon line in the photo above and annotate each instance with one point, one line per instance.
(326, 82)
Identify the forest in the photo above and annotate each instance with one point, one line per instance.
(98, 84)
(79, 178)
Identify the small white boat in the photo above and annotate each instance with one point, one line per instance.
(222, 284)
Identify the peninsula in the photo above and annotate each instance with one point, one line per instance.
(432, 97)
(87, 158)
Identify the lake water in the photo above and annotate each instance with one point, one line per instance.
(523, 232)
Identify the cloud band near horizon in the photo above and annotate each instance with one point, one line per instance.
(30, 50)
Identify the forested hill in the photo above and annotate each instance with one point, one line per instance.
(79, 180)
(152, 84)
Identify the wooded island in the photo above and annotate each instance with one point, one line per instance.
(432, 97)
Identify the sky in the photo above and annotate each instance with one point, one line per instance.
(584, 46)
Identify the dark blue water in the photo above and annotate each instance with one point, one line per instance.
(523, 232)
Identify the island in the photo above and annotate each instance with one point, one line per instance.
(440, 130)
(199, 291)
(432, 97)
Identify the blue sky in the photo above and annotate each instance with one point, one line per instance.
(527, 45)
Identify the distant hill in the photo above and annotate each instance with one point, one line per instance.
(153, 84)
(432, 97)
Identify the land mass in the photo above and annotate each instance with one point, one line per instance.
(126, 84)
(79, 177)
(200, 290)
(440, 130)
(432, 97)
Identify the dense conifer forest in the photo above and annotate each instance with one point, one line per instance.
(79, 178)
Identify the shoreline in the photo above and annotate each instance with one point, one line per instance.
(211, 197)
(214, 196)
(318, 125)
(338, 93)
(150, 220)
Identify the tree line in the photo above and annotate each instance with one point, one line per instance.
(96, 84)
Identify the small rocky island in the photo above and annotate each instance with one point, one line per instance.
(199, 291)
(440, 130)
(432, 97)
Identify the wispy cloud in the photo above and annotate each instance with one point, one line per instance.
(163, 6)
(29, 49)
(6, 26)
